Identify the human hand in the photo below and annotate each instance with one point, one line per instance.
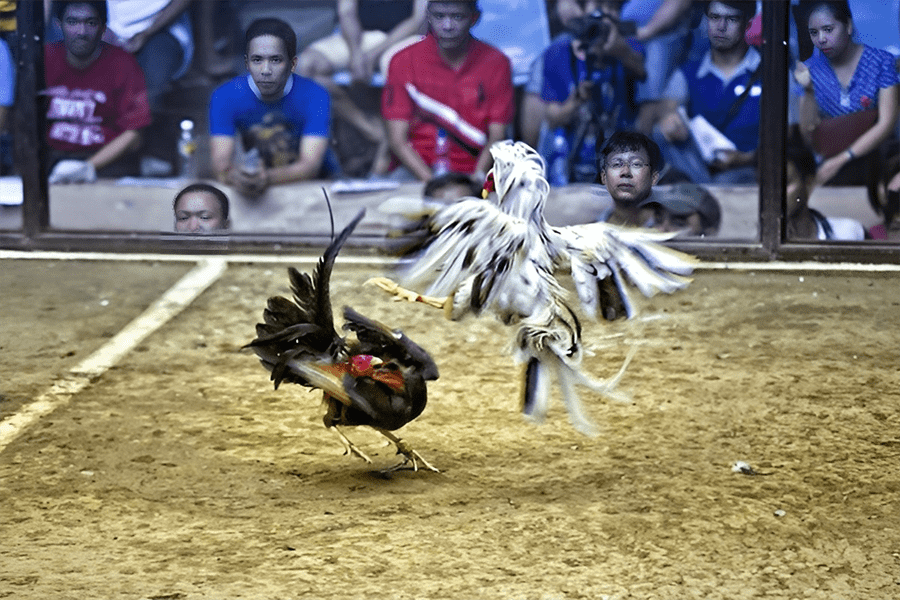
(730, 159)
(249, 183)
(673, 128)
(584, 90)
(803, 76)
(73, 171)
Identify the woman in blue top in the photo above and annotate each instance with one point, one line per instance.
(842, 77)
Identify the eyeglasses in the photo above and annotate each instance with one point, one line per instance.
(618, 164)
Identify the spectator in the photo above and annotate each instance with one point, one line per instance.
(201, 208)
(688, 208)
(7, 97)
(158, 33)
(562, 14)
(449, 81)
(803, 222)
(664, 27)
(97, 98)
(587, 86)
(371, 32)
(629, 165)
(281, 117)
(724, 89)
(849, 104)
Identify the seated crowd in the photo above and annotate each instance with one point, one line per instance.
(675, 85)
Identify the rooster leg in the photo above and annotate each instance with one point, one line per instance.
(350, 447)
(406, 450)
(401, 293)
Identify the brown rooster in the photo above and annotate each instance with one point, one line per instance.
(378, 379)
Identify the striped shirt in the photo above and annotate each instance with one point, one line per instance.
(874, 72)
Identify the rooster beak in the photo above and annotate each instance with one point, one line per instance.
(488, 185)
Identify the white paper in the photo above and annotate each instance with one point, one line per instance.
(709, 139)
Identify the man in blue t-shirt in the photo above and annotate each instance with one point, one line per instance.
(724, 88)
(588, 84)
(282, 118)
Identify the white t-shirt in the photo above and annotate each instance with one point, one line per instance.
(127, 18)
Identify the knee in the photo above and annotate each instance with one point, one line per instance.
(312, 63)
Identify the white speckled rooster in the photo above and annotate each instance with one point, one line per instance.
(502, 257)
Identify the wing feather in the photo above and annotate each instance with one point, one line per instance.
(595, 252)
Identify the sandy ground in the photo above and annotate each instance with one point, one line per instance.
(181, 474)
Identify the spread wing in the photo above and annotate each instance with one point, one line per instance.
(603, 256)
(474, 243)
(379, 340)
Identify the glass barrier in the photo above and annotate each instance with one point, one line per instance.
(698, 98)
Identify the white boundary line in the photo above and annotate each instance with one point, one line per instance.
(176, 299)
(389, 261)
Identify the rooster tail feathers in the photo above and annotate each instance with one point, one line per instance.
(318, 290)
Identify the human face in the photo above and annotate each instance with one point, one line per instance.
(628, 176)
(269, 65)
(198, 212)
(691, 224)
(829, 35)
(82, 30)
(450, 23)
(726, 27)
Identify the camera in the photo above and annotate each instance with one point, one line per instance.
(593, 30)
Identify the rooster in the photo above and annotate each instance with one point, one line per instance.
(502, 258)
(378, 379)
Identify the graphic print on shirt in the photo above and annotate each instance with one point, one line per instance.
(275, 137)
(73, 116)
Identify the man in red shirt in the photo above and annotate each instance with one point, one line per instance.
(97, 98)
(449, 81)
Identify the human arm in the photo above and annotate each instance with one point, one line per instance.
(118, 147)
(398, 140)
(809, 117)
(496, 132)
(620, 49)
(665, 17)
(362, 63)
(163, 19)
(560, 114)
(671, 124)
(868, 141)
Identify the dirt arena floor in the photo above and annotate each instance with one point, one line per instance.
(180, 473)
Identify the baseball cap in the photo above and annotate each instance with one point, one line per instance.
(684, 199)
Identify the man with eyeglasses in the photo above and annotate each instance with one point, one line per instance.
(629, 165)
(721, 90)
(450, 87)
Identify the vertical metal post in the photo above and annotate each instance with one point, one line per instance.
(28, 125)
(773, 123)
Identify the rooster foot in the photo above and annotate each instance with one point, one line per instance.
(406, 450)
(401, 293)
(349, 447)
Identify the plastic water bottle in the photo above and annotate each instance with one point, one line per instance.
(187, 151)
(585, 169)
(559, 159)
(441, 164)
(251, 162)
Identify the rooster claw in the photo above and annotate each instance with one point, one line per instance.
(401, 293)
